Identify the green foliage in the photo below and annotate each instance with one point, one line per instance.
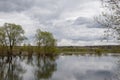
(11, 35)
(45, 42)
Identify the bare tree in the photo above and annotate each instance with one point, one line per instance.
(110, 17)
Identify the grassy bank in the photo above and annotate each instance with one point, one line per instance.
(31, 50)
(89, 49)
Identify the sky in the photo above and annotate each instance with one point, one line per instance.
(71, 21)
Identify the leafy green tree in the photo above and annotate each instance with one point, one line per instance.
(11, 35)
(46, 41)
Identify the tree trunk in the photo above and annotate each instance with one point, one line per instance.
(11, 50)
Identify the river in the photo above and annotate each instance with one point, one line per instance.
(63, 67)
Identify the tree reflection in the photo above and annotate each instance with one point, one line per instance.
(10, 69)
(15, 68)
(45, 67)
(117, 71)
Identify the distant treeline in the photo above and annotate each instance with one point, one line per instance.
(32, 50)
(91, 49)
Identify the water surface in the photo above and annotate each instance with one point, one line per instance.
(67, 67)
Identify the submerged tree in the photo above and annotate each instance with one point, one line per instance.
(110, 18)
(11, 35)
(45, 41)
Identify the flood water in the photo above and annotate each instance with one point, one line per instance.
(64, 67)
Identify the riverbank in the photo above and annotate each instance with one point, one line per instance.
(68, 50)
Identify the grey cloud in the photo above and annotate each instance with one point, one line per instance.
(21, 5)
(81, 21)
(80, 29)
(85, 38)
(43, 10)
(76, 34)
(95, 25)
(90, 23)
(15, 5)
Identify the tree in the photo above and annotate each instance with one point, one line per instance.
(45, 40)
(11, 35)
(110, 18)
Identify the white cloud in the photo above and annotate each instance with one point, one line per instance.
(65, 42)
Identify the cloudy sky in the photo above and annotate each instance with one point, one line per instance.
(71, 21)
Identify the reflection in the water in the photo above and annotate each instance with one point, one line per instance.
(117, 71)
(18, 68)
(10, 69)
(71, 67)
(85, 68)
(45, 67)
